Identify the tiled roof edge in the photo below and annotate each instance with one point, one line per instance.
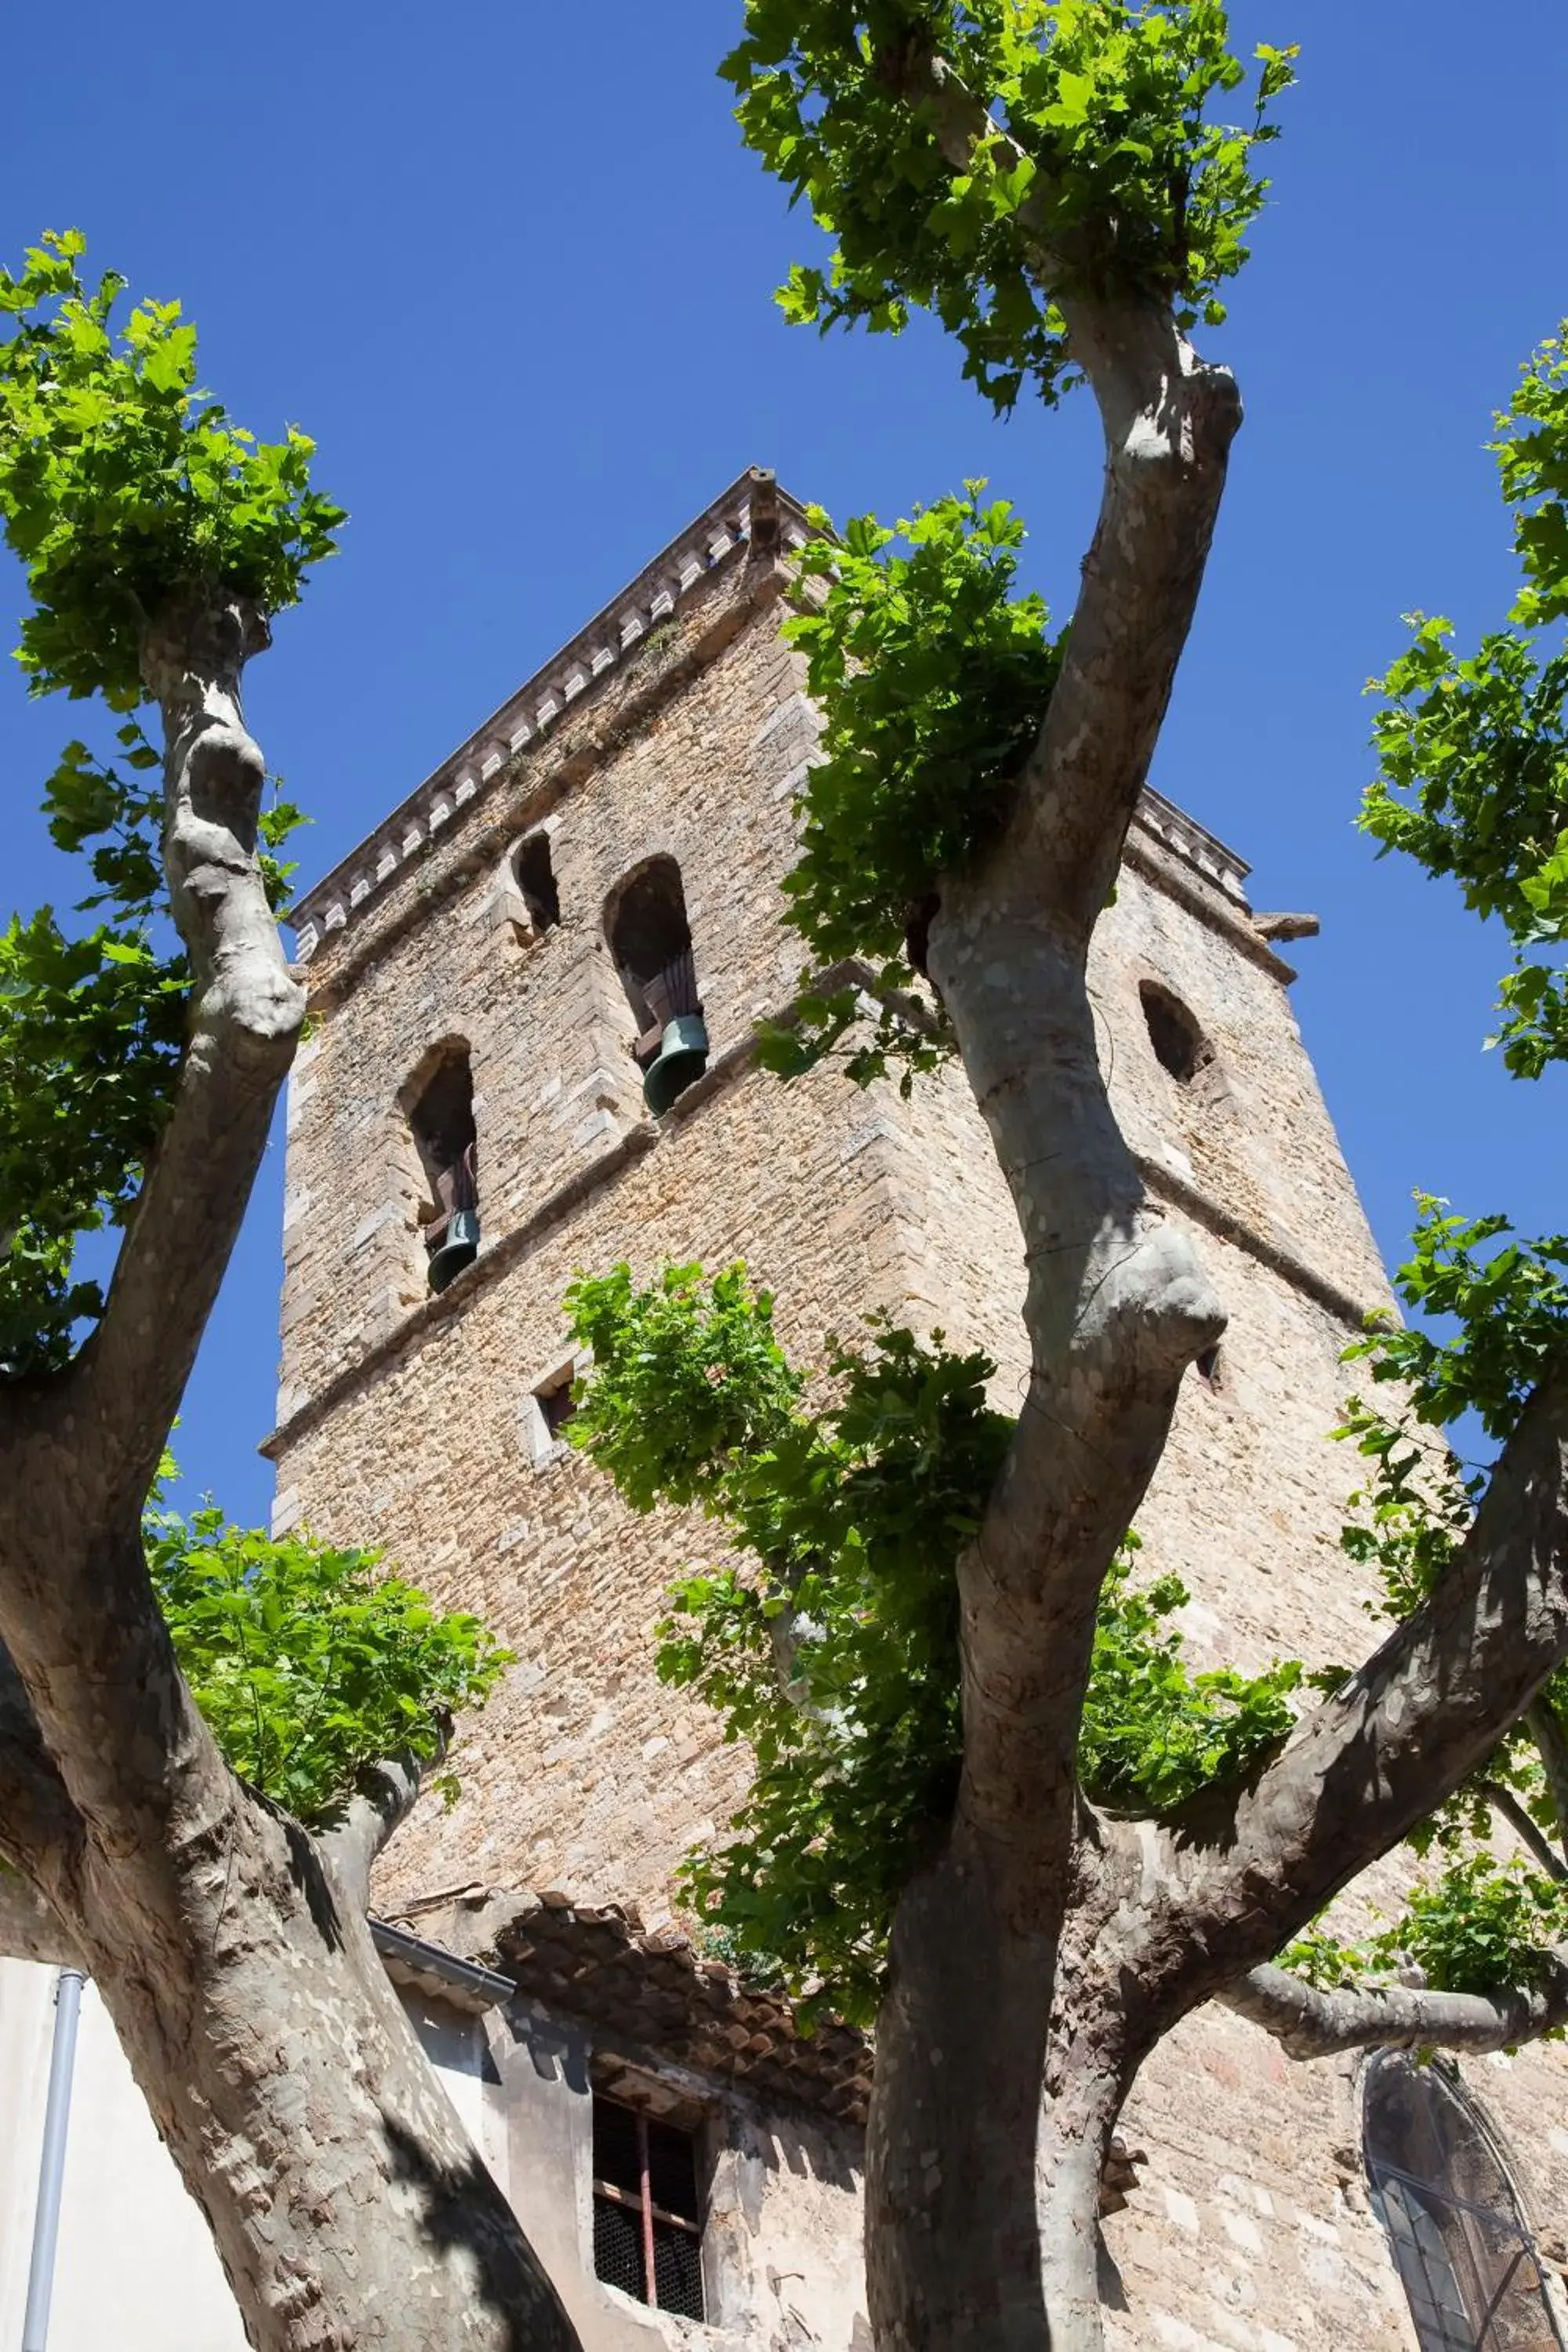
(599, 1964)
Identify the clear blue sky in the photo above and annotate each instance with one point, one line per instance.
(511, 268)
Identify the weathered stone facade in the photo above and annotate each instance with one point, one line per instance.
(675, 726)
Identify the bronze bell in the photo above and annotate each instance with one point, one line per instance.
(459, 1249)
(681, 1059)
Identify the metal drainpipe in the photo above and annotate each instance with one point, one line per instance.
(52, 2163)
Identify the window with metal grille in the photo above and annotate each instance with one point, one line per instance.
(648, 2231)
(1438, 2184)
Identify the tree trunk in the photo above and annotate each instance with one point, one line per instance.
(230, 1946)
(1087, 2075)
(952, 2249)
(1117, 1307)
(346, 2202)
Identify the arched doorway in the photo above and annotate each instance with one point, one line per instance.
(1442, 2193)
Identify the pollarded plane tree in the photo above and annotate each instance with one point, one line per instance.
(205, 1738)
(992, 1809)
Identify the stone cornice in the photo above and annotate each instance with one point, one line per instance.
(752, 506)
(1195, 843)
(752, 512)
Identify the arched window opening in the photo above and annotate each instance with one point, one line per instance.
(1464, 2256)
(536, 880)
(651, 942)
(1180, 1046)
(442, 1119)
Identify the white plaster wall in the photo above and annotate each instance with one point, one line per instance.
(136, 2270)
(135, 2267)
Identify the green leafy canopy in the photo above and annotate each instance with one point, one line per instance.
(310, 1664)
(1473, 749)
(829, 1639)
(932, 674)
(1099, 169)
(121, 488)
(122, 485)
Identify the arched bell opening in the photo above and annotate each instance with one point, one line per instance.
(650, 940)
(441, 1118)
(1442, 2192)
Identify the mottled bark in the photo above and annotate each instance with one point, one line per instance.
(1043, 1953)
(229, 1947)
(1117, 1308)
(1310, 2023)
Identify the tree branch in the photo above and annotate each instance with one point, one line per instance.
(1249, 1868)
(246, 1012)
(30, 1929)
(37, 1818)
(141, 1803)
(1545, 1727)
(1168, 418)
(1528, 1832)
(1309, 2022)
(937, 92)
(382, 1803)
(40, 1833)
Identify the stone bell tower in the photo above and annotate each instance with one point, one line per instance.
(535, 988)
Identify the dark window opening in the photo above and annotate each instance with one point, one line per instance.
(442, 1120)
(647, 2234)
(651, 942)
(1464, 2259)
(1180, 1046)
(536, 880)
(556, 1402)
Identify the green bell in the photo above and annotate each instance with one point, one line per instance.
(459, 1249)
(681, 1059)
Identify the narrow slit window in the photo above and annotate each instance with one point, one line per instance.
(647, 2227)
(535, 875)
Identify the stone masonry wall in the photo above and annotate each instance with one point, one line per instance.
(413, 1423)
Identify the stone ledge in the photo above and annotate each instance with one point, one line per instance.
(1276, 1255)
(574, 759)
(1154, 858)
